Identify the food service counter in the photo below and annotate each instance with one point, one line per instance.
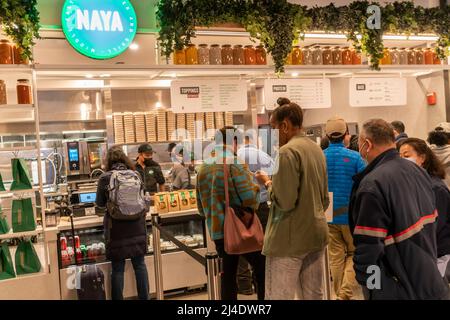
(180, 271)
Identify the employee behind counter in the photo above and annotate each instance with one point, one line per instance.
(149, 170)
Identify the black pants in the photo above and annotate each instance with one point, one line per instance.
(263, 214)
(229, 269)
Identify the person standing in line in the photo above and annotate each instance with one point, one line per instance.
(149, 170)
(417, 151)
(257, 160)
(243, 192)
(297, 230)
(125, 239)
(342, 165)
(392, 218)
(399, 131)
(179, 174)
(439, 141)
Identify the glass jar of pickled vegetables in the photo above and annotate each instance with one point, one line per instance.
(3, 96)
(6, 53)
(24, 94)
(395, 56)
(403, 56)
(386, 57)
(203, 54)
(317, 56)
(420, 58)
(411, 56)
(436, 59)
(238, 55)
(261, 55)
(356, 57)
(179, 57)
(250, 55)
(191, 54)
(347, 57)
(307, 56)
(296, 54)
(337, 55)
(227, 54)
(215, 54)
(428, 56)
(327, 56)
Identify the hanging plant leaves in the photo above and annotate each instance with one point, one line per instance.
(20, 21)
(277, 23)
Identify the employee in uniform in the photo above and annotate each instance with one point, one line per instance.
(149, 170)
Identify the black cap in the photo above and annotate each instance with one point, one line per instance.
(145, 148)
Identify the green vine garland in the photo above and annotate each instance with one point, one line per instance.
(20, 21)
(277, 23)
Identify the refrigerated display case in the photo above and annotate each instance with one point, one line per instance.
(179, 270)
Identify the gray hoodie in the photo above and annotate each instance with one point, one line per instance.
(443, 153)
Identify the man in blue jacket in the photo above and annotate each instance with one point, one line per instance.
(342, 165)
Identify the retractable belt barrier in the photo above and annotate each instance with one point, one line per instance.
(210, 261)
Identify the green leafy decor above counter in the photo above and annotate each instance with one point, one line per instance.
(20, 21)
(277, 23)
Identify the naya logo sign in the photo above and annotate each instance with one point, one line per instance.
(191, 92)
(279, 88)
(99, 29)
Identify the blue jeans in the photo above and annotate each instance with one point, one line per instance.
(117, 278)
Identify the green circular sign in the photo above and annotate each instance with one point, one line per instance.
(99, 29)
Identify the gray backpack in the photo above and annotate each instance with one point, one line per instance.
(126, 196)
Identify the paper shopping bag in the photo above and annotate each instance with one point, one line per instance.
(6, 264)
(27, 260)
(21, 176)
(23, 216)
(4, 227)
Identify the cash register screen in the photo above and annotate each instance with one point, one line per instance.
(88, 197)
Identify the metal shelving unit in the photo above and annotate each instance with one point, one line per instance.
(33, 110)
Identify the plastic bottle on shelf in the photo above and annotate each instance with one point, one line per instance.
(411, 56)
(347, 57)
(203, 54)
(215, 54)
(395, 56)
(420, 58)
(428, 56)
(317, 56)
(191, 54)
(227, 54)
(238, 55)
(296, 55)
(327, 56)
(403, 56)
(337, 56)
(261, 55)
(179, 57)
(250, 55)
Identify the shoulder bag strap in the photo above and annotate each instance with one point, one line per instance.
(225, 182)
(234, 185)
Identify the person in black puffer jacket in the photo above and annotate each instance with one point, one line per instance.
(124, 239)
(416, 150)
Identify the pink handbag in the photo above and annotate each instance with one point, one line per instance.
(238, 238)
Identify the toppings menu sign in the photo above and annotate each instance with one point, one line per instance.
(377, 92)
(99, 29)
(208, 95)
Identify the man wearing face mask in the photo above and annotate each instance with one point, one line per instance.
(149, 170)
(392, 217)
(297, 231)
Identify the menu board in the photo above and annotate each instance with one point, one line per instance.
(377, 92)
(308, 93)
(208, 95)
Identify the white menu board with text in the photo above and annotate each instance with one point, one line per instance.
(208, 95)
(377, 92)
(308, 93)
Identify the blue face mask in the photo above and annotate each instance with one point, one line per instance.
(412, 159)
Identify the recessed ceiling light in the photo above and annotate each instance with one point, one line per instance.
(105, 75)
(294, 74)
(134, 46)
(89, 76)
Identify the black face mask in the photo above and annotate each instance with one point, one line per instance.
(148, 162)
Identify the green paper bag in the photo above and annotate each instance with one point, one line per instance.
(27, 260)
(4, 227)
(21, 176)
(6, 264)
(23, 216)
(2, 186)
